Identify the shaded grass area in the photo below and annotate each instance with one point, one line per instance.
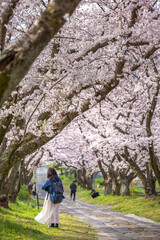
(18, 223)
(138, 205)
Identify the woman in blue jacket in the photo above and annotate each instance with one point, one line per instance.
(50, 211)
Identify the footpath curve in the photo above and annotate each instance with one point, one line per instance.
(112, 225)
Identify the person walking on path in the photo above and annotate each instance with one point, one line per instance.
(34, 189)
(30, 188)
(73, 188)
(50, 211)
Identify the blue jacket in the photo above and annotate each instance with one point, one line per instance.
(48, 186)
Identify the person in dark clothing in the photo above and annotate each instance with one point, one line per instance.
(94, 193)
(73, 188)
(34, 189)
(30, 188)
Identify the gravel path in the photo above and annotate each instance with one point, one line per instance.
(111, 225)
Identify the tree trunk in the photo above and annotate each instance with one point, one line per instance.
(12, 186)
(89, 180)
(149, 188)
(18, 57)
(70, 174)
(75, 174)
(84, 180)
(107, 186)
(26, 177)
(153, 158)
(148, 181)
(107, 180)
(116, 186)
(9, 190)
(6, 163)
(4, 201)
(125, 187)
(126, 179)
(29, 145)
(153, 162)
(66, 172)
(5, 18)
(80, 179)
(116, 183)
(149, 185)
(18, 183)
(61, 171)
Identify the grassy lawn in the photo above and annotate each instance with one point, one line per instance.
(129, 204)
(19, 223)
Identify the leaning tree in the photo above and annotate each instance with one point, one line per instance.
(87, 64)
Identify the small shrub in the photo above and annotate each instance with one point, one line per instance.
(23, 193)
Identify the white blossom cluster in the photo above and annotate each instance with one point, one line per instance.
(102, 44)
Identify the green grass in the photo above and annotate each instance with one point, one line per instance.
(98, 182)
(138, 190)
(66, 183)
(19, 223)
(128, 204)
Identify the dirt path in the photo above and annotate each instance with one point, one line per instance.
(113, 225)
(110, 225)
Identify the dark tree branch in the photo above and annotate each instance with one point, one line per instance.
(23, 53)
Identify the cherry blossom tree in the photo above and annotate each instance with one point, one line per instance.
(72, 151)
(129, 127)
(22, 53)
(87, 63)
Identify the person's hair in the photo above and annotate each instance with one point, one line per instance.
(52, 172)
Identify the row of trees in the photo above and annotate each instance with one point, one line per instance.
(101, 68)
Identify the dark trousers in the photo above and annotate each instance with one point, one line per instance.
(74, 195)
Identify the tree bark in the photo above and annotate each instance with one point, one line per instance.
(150, 184)
(18, 151)
(17, 186)
(146, 180)
(4, 201)
(107, 179)
(116, 186)
(116, 183)
(4, 20)
(153, 158)
(18, 175)
(80, 180)
(84, 180)
(66, 172)
(61, 171)
(11, 186)
(108, 186)
(26, 177)
(126, 180)
(22, 53)
(125, 187)
(75, 174)
(70, 173)
(89, 180)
